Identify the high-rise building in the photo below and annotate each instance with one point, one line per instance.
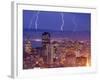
(46, 46)
(45, 38)
(28, 47)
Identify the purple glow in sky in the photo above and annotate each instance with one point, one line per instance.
(56, 21)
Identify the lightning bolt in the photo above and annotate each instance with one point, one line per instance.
(36, 21)
(62, 25)
(30, 25)
(75, 24)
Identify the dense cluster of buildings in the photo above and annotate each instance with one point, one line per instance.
(56, 53)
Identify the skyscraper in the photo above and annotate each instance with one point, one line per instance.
(46, 46)
(45, 38)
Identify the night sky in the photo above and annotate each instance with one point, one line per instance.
(48, 20)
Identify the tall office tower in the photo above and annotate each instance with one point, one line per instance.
(46, 46)
(28, 47)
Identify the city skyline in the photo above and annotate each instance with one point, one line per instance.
(56, 39)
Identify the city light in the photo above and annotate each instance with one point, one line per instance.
(65, 53)
(88, 63)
